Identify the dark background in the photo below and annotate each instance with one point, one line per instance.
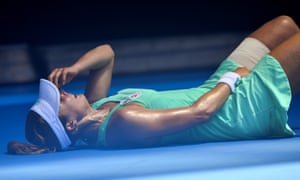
(54, 22)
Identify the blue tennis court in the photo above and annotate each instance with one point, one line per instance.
(252, 159)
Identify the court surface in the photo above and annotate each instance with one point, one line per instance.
(253, 159)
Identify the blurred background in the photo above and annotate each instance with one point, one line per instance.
(36, 36)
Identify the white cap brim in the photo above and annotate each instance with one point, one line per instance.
(47, 106)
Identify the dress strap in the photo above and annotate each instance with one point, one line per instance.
(102, 129)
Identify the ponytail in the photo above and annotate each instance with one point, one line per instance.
(15, 147)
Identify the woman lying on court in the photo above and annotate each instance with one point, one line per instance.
(246, 98)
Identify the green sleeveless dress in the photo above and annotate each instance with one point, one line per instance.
(257, 109)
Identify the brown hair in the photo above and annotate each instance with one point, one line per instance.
(40, 136)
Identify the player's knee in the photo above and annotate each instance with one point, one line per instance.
(287, 23)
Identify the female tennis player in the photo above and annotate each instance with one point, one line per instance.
(246, 98)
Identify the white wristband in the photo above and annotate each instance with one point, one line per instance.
(230, 78)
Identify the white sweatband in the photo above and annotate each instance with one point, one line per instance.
(230, 78)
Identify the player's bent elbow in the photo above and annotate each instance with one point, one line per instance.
(202, 113)
(108, 49)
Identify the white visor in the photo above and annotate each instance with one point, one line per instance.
(47, 106)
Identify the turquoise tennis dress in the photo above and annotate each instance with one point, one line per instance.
(257, 109)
